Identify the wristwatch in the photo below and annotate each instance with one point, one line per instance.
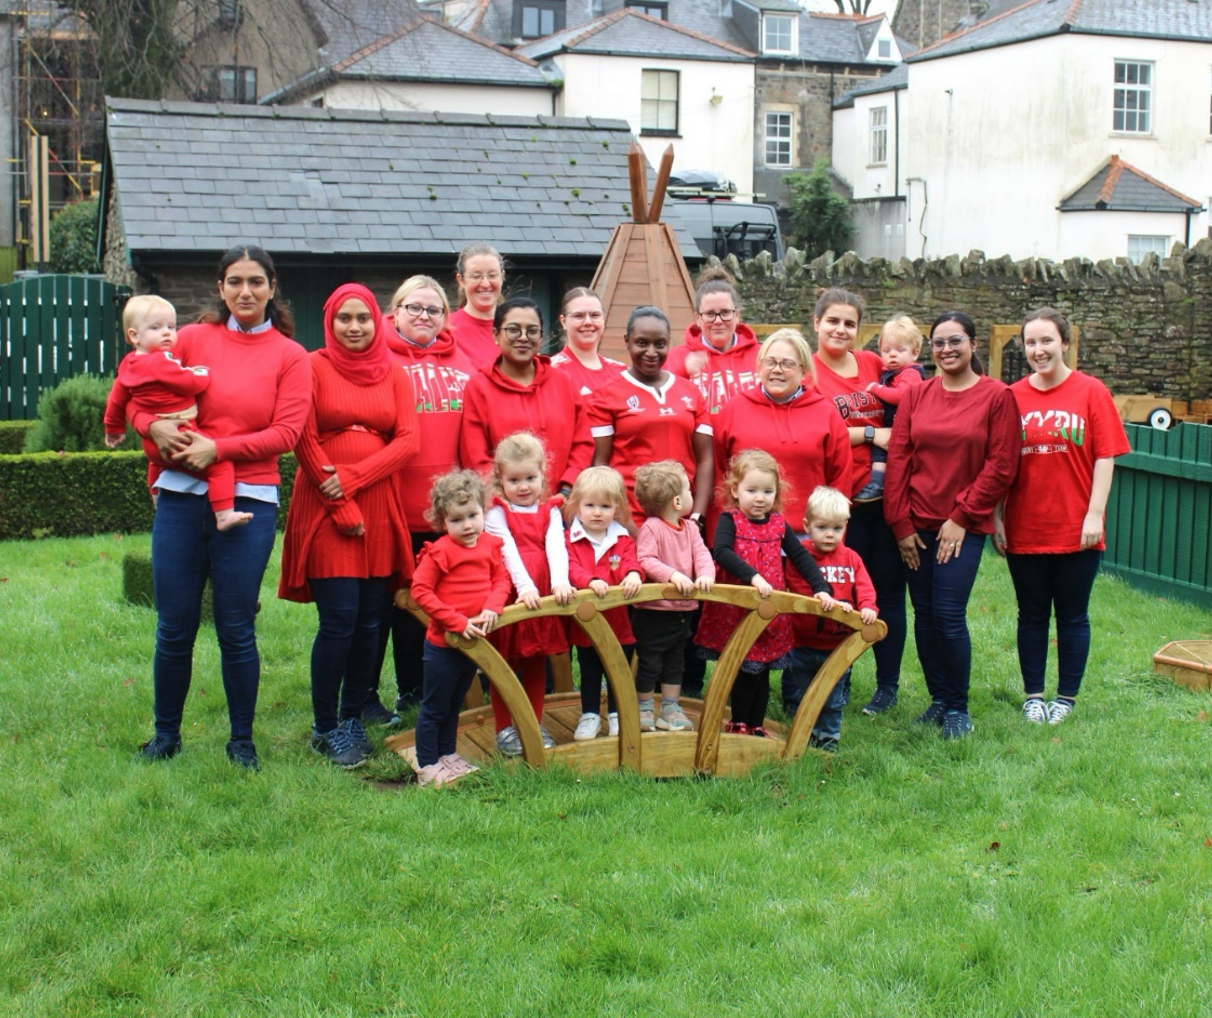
(869, 434)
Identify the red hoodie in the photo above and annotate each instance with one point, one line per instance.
(805, 435)
(549, 407)
(726, 372)
(439, 373)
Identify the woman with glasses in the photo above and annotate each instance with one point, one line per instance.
(583, 322)
(953, 454)
(649, 414)
(520, 391)
(718, 351)
(480, 273)
(425, 350)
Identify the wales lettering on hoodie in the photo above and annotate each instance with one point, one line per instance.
(439, 389)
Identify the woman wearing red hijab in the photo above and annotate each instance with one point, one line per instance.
(347, 540)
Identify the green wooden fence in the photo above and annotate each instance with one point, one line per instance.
(53, 327)
(1159, 517)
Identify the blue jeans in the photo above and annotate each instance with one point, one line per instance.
(186, 549)
(940, 617)
(345, 652)
(805, 662)
(1042, 583)
(872, 538)
(448, 675)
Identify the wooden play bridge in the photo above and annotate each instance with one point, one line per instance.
(706, 751)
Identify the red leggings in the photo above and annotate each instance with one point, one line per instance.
(533, 671)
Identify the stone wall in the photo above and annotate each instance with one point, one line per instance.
(1144, 328)
(923, 22)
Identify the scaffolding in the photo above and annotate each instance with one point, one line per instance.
(57, 96)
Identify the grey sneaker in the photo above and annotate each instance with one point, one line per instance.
(957, 724)
(1058, 710)
(357, 734)
(883, 699)
(548, 741)
(509, 743)
(374, 713)
(647, 720)
(338, 747)
(1035, 710)
(673, 719)
(825, 743)
(932, 715)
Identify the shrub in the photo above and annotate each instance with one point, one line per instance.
(69, 416)
(820, 217)
(73, 238)
(12, 436)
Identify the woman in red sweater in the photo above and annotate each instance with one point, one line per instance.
(346, 540)
(1052, 534)
(954, 451)
(480, 274)
(718, 352)
(842, 376)
(520, 391)
(428, 354)
(255, 408)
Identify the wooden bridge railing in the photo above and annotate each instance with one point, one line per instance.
(586, 609)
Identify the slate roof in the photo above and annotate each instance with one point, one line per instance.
(629, 33)
(895, 79)
(424, 50)
(1121, 187)
(1036, 19)
(350, 25)
(837, 38)
(370, 182)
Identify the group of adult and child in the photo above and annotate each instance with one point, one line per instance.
(445, 452)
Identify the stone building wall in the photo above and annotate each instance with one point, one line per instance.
(1144, 328)
(923, 22)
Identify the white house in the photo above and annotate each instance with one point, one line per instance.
(671, 84)
(1048, 130)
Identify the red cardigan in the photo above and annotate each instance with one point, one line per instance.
(258, 398)
(953, 456)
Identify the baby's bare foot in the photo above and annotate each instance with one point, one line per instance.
(226, 519)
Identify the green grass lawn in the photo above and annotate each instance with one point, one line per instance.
(1025, 871)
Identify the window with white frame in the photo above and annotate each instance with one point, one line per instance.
(1140, 244)
(659, 102)
(533, 19)
(778, 138)
(231, 83)
(1133, 103)
(660, 11)
(779, 33)
(1210, 112)
(878, 154)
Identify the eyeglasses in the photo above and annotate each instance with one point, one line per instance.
(480, 277)
(943, 342)
(585, 316)
(416, 310)
(512, 331)
(769, 363)
(717, 316)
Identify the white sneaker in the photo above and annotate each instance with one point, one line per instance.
(612, 723)
(1058, 710)
(588, 727)
(1035, 711)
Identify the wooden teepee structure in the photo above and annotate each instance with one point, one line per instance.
(642, 263)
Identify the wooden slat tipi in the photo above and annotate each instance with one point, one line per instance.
(642, 263)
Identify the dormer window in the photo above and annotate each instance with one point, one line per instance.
(884, 49)
(779, 34)
(533, 19)
(660, 11)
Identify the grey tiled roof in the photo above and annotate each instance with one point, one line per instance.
(353, 24)
(1121, 187)
(630, 33)
(1033, 19)
(322, 181)
(896, 78)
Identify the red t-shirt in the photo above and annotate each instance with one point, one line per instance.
(586, 380)
(857, 407)
(1065, 429)
(474, 336)
(648, 425)
(454, 583)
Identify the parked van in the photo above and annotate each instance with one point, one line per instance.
(719, 222)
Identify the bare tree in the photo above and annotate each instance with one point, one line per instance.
(137, 50)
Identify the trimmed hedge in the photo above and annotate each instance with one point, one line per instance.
(12, 436)
(51, 494)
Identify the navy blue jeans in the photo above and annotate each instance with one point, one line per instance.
(345, 652)
(872, 538)
(407, 638)
(186, 549)
(448, 675)
(1043, 583)
(592, 676)
(805, 662)
(940, 617)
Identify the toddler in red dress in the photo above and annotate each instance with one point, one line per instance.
(150, 379)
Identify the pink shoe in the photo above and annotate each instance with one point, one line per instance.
(736, 727)
(436, 774)
(458, 766)
(760, 732)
